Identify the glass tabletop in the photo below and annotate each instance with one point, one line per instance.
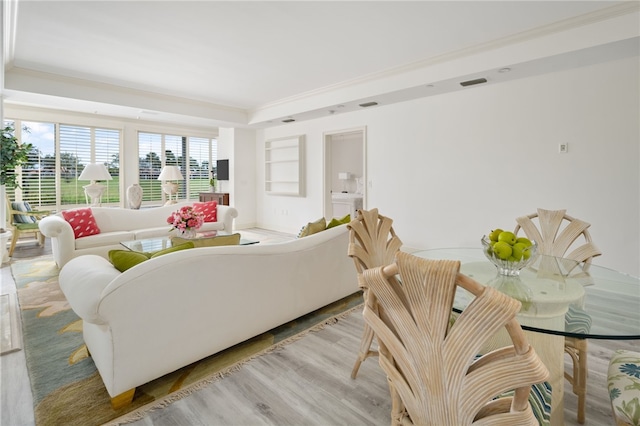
(147, 245)
(558, 296)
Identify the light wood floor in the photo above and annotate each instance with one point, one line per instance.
(305, 383)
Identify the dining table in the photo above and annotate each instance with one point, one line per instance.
(560, 298)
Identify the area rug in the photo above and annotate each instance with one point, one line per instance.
(66, 386)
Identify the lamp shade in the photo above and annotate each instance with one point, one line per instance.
(170, 173)
(95, 171)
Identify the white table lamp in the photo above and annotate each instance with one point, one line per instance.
(94, 172)
(170, 173)
(344, 177)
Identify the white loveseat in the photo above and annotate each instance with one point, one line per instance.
(170, 311)
(117, 225)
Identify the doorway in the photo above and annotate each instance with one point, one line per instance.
(344, 172)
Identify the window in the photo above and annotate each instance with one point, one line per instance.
(75, 153)
(39, 174)
(107, 152)
(193, 155)
(50, 177)
(149, 165)
(61, 151)
(80, 146)
(174, 149)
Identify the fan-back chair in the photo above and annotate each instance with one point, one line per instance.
(23, 222)
(372, 242)
(434, 374)
(556, 233)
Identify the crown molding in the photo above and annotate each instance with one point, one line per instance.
(43, 83)
(625, 8)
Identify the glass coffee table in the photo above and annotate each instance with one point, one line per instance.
(147, 245)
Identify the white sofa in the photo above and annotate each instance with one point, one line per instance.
(117, 225)
(170, 311)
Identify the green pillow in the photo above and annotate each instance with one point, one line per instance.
(218, 240)
(338, 222)
(179, 247)
(313, 227)
(125, 259)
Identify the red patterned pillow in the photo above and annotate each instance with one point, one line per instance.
(82, 222)
(210, 210)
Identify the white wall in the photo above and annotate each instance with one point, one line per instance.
(238, 146)
(450, 168)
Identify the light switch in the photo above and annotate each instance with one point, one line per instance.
(563, 148)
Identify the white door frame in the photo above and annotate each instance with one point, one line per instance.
(327, 138)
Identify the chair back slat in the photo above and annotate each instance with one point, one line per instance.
(558, 233)
(433, 366)
(372, 240)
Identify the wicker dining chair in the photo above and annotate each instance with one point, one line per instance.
(561, 235)
(372, 242)
(435, 375)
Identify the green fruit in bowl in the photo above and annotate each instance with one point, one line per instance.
(502, 250)
(509, 254)
(493, 235)
(507, 237)
(523, 240)
(518, 251)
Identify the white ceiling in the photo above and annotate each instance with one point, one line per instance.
(243, 63)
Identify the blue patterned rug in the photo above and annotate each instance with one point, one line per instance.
(67, 389)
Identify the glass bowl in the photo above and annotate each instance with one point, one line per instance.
(506, 266)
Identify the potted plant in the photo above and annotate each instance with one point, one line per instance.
(12, 155)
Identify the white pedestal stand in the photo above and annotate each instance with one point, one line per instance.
(5, 237)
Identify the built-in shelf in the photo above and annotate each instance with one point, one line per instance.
(284, 166)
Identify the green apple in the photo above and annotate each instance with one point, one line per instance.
(507, 237)
(518, 251)
(526, 253)
(527, 242)
(493, 235)
(502, 250)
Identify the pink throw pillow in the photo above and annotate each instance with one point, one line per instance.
(209, 209)
(82, 222)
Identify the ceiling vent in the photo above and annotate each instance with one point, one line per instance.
(288, 120)
(472, 82)
(368, 104)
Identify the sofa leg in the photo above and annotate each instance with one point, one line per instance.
(122, 400)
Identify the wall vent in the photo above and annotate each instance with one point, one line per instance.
(472, 82)
(368, 104)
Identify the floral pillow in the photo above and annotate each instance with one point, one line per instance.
(209, 209)
(623, 377)
(82, 222)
